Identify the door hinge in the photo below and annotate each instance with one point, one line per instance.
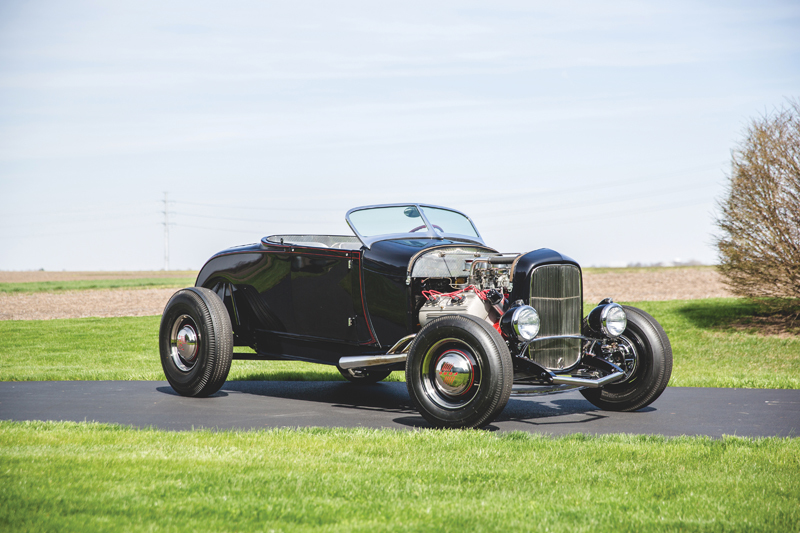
(351, 321)
(349, 264)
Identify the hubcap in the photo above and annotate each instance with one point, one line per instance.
(454, 373)
(184, 343)
(451, 374)
(187, 343)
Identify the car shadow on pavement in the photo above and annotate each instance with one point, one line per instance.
(536, 411)
(170, 391)
(389, 397)
(392, 397)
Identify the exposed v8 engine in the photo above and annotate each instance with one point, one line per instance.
(475, 283)
(464, 302)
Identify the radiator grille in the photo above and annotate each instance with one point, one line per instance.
(556, 295)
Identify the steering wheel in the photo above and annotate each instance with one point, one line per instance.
(423, 227)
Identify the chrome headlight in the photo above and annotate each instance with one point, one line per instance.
(609, 319)
(521, 322)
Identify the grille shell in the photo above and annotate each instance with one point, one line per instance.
(557, 295)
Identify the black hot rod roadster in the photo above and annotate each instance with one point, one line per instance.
(415, 289)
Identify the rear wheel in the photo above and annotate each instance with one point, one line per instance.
(363, 376)
(644, 352)
(459, 372)
(196, 342)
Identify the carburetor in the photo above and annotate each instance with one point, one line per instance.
(491, 273)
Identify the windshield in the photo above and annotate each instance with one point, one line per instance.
(417, 220)
(388, 220)
(449, 221)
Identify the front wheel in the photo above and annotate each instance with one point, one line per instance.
(645, 352)
(459, 372)
(196, 342)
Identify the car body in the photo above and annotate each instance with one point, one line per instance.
(414, 289)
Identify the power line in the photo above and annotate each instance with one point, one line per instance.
(613, 213)
(597, 202)
(72, 220)
(214, 229)
(103, 229)
(593, 188)
(238, 207)
(214, 217)
(107, 208)
(548, 208)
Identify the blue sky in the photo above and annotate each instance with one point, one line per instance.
(602, 130)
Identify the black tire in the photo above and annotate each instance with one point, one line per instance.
(198, 369)
(450, 398)
(364, 376)
(653, 367)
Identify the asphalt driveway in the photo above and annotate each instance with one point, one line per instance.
(267, 404)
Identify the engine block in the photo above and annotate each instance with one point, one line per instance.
(465, 303)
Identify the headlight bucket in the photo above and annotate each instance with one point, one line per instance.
(608, 319)
(520, 323)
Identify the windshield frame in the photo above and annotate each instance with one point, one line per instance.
(368, 241)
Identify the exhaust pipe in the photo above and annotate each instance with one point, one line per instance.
(589, 383)
(396, 354)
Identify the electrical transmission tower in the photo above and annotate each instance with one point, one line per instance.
(166, 231)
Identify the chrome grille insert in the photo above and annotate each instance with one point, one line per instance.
(556, 295)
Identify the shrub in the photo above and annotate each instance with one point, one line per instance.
(759, 247)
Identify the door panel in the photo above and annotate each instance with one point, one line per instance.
(323, 290)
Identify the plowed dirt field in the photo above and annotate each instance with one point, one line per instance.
(624, 285)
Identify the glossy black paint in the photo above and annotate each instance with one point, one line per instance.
(290, 300)
(387, 296)
(527, 262)
(319, 304)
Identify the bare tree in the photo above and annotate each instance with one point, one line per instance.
(759, 248)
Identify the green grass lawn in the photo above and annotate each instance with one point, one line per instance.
(708, 351)
(82, 285)
(123, 348)
(90, 477)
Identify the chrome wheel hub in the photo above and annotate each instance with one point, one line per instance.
(187, 343)
(622, 353)
(454, 374)
(451, 375)
(184, 343)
